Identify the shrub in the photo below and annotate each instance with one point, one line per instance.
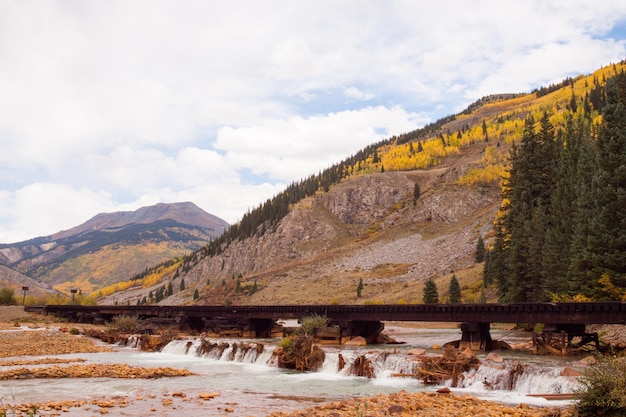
(603, 389)
(6, 296)
(310, 323)
(124, 323)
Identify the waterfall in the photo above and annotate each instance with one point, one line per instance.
(232, 351)
(132, 341)
(514, 376)
(387, 367)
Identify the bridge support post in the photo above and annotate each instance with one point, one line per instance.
(369, 330)
(476, 336)
(261, 328)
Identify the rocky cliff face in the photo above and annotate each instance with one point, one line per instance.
(366, 228)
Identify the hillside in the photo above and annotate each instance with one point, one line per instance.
(364, 228)
(111, 247)
(361, 221)
(15, 280)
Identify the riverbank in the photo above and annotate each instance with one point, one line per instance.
(422, 405)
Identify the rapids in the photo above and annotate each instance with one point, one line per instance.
(245, 374)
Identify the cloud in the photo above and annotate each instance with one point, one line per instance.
(355, 93)
(293, 148)
(44, 208)
(118, 104)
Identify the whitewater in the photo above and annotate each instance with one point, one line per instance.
(245, 374)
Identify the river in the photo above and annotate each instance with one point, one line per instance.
(250, 385)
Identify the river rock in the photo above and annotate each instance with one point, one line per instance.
(443, 390)
(589, 360)
(416, 352)
(395, 409)
(356, 341)
(494, 357)
(567, 371)
(208, 395)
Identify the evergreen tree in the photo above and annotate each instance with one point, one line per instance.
(609, 222)
(196, 294)
(182, 284)
(480, 250)
(431, 293)
(359, 288)
(170, 290)
(528, 192)
(454, 291)
(559, 236)
(416, 193)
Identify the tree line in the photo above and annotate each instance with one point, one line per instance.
(561, 232)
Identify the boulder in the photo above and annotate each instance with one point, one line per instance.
(589, 360)
(494, 357)
(356, 341)
(416, 352)
(570, 372)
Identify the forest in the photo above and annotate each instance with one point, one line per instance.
(561, 231)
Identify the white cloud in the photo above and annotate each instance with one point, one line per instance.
(118, 104)
(289, 149)
(45, 208)
(355, 93)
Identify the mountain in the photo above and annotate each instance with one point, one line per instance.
(111, 247)
(399, 212)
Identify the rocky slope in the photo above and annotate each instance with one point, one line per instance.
(113, 246)
(16, 280)
(365, 228)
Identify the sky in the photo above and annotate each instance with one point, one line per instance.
(119, 104)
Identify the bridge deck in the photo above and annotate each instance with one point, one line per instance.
(563, 313)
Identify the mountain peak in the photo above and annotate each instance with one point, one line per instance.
(186, 213)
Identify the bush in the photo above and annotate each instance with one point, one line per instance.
(124, 323)
(6, 296)
(310, 323)
(603, 389)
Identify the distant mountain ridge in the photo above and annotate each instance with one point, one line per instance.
(183, 213)
(113, 246)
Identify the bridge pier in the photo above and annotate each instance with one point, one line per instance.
(476, 336)
(557, 339)
(367, 329)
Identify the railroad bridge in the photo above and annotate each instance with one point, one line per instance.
(566, 319)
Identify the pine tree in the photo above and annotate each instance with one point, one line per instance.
(182, 284)
(454, 291)
(416, 193)
(609, 222)
(359, 288)
(196, 294)
(431, 293)
(480, 250)
(525, 217)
